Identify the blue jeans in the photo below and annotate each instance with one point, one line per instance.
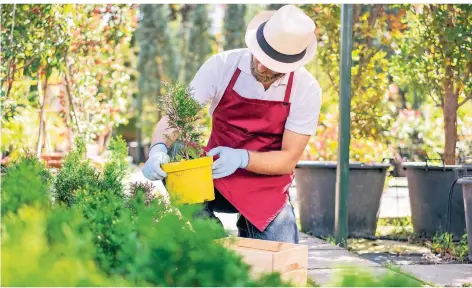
(283, 227)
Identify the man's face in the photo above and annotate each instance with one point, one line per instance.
(262, 73)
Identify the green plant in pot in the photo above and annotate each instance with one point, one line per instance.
(189, 175)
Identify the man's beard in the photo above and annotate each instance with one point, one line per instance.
(264, 78)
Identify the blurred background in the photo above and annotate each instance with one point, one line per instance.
(97, 71)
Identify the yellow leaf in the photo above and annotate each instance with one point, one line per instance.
(67, 8)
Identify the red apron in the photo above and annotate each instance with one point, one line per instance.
(256, 125)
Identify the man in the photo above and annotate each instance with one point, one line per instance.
(264, 108)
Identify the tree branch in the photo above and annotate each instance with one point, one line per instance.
(69, 96)
(10, 81)
(41, 113)
(464, 101)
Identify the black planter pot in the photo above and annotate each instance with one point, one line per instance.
(316, 193)
(467, 196)
(429, 188)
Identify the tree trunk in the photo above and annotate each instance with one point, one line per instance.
(41, 132)
(450, 117)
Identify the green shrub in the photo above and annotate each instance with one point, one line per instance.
(42, 246)
(103, 235)
(26, 182)
(76, 174)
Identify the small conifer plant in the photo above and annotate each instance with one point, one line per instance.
(183, 114)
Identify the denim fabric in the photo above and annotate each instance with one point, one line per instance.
(283, 227)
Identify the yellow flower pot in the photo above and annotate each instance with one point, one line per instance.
(190, 181)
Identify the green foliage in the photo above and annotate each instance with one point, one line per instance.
(374, 26)
(99, 72)
(42, 247)
(183, 114)
(106, 238)
(324, 145)
(234, 26)
(274, 6)
(399, 227)
(156, 63)
(85, 47)
(116, 167)
(26, 182)
(421, 61)
(34, 39)
(77, 173)
(449, 249)
(198, 48)
(357, 277)
(434, 60)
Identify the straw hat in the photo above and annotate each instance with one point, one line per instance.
(282, 40)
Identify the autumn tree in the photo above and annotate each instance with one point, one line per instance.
(375, 30)
(34, 42)
(234, 27)
(83, 49)
(436, 59)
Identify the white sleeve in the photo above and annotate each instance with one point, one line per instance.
(304, 112)
(205, 82)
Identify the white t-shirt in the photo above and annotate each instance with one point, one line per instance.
(213, 77)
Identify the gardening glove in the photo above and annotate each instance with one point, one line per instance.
(152, 168)
(229, 161)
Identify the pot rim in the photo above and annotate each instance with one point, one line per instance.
(465, 180)
(334, 164)
(205, 161)
(425, 165)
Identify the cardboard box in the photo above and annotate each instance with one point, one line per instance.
(290, 260)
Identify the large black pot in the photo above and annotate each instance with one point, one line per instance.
(429, 188)
(467, 196)
(316, 190)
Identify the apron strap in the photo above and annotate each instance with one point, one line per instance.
(234, 78)
(288, 90)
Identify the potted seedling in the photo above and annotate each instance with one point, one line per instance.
(189, 175)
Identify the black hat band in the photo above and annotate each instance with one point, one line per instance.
(271, 52)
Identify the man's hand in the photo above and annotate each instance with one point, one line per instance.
(157, 156)
(229, 161)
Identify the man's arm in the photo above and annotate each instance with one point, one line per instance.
(279, 162)
(164, 134)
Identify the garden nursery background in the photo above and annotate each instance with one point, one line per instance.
(81, 87)
(97, 70)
